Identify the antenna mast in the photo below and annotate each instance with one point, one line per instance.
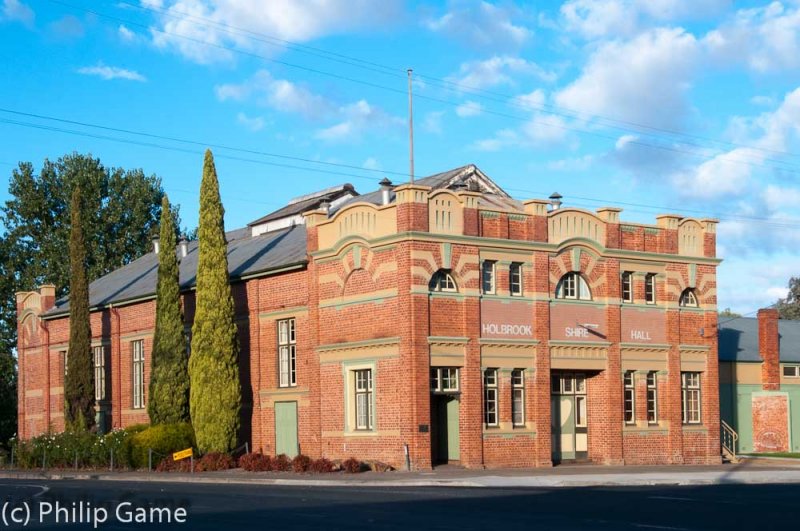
(410, 130)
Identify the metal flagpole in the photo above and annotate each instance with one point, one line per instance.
(410, 129)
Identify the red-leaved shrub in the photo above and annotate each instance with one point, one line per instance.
(301, 463)
(214, 461)
(281, 463)
(255, 462)
(321, 466)
(353, 466)
(170, 465)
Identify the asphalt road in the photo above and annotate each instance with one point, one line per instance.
(239, 507)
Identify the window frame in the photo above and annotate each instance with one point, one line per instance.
(652, 397)
(572, 286)
(489, 273)
(650, 288)
(629, 397)
(287, 345)
(137, 377)
(691, 393)
(100, 374)
(443, 282)
(794, 368)
(490, 396)
(518, 395)
(688, 299)
(627, 278)
(367, 392)
(438, 380)
(515, 288)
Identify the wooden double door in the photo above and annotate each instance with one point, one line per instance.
(568, 417)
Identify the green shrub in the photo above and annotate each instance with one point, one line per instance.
(63, 450)
(163, 439)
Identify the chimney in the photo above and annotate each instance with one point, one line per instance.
(183, 246)
(156, 244)
(555, 200)
(386, 187)
(769, 349)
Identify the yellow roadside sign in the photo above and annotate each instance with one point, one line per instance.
(183, 454)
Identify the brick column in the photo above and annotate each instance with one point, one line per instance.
(471, 414)
(611, 217)
(709, 237)
(668, 237)
(711, 391)
(614, 420)
(116, 370)
(672, 395)
(469, 201)
(537, 219)
(540, 390)
(769, 349)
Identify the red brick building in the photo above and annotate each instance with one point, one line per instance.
(441, 321)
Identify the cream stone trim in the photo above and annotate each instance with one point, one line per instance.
(507, 256)
(659, 268)
(447, 360)
(334, 278)
(690, 237)
(296, 311)
(567, 223)
(508, 356)
(361, 434)
(645, 359)
(136, 335)
(445, 212)
(372, 296)
(576, 356)
(34, 393)
(268, 397)
(359, 350)
(693, 361)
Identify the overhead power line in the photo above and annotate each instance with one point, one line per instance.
(151, 144)
(341, 77)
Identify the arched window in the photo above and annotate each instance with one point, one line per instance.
(573, 286)
(688, 298)
(443, 281)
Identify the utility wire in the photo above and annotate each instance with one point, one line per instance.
(507, 99)
(765, 221)
(421, 96)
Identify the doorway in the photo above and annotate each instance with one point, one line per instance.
(286, 428)
(445, 440)
(568, 417)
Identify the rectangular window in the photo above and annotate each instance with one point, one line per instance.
(518, 397)
(99, 355)
(287, 353)
(490, 397)
(363, 389)
(444, 379)
(137, 348)
(629, 400)
(515, 279)
(64, 360)
(652, 397)
(690, 397)
(487, 276)
(650, 288)
(791, 371)
(627, 286)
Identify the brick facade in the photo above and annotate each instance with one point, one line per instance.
(364, 301)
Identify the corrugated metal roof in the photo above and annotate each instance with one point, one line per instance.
(246, 256)
(738, 340)
(305, 203)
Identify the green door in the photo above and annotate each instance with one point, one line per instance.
(563, 425)
(453, 440)
(286, 428)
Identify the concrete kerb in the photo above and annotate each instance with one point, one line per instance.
(482, 481)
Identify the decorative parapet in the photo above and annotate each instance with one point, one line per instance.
(567, 223)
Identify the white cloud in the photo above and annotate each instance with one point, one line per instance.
(126, 34)
(575, 164)
(731, 173)
(482, 25)
(642, 80)
(111, 72)
(432, 122)
(67, 27)
(17, 11)
(498, 70)
(292, 20)
(255, 123)
(593, 19)
(764, 101)
(469, 108)
(766, 39)
(532, 100)
(371, 164)
(355, 119)
(278, 94)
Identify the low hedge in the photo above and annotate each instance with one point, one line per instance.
(63, 450)
(163, 439)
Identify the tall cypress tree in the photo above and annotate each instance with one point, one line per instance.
(79, 382)
(215, 393)
(169, 374)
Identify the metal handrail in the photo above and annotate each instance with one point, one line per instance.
(728, 438)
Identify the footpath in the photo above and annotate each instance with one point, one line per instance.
(748, 471)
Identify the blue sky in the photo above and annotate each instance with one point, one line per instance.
(652, 106)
